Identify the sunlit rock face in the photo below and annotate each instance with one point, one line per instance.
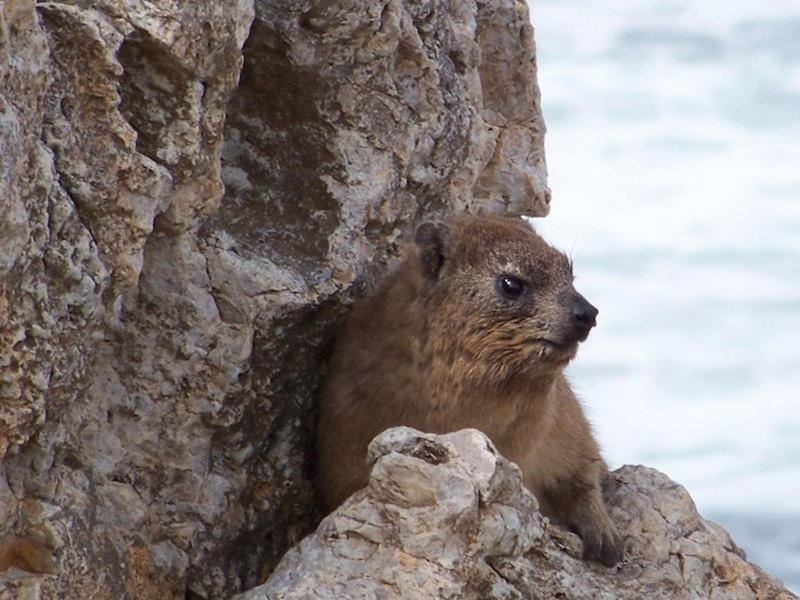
(190, 195)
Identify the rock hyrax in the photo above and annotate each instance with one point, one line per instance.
(473, 329)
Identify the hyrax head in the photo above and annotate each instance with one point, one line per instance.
(500, 301)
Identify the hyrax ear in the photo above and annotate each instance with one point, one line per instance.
(432, 238)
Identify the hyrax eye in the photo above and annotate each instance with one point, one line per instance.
(511, 287)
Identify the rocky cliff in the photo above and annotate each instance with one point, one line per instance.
(191, 193)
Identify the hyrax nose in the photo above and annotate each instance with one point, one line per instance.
(584, 315)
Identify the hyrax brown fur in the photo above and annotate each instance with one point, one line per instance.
(473, 329)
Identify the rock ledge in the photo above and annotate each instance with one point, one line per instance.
(445, 516)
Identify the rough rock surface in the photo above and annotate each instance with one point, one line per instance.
(190, 193)
(444, 516)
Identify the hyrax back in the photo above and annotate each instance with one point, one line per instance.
(472, 330)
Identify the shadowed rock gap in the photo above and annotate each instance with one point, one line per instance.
(274, 158)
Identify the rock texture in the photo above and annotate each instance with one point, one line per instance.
(444, 516)
(190, 193)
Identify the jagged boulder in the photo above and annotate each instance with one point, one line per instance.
(445, 516)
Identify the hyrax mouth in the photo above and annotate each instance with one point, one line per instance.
(554, 344)
(566, 344)
(567, 349)
(556, 351)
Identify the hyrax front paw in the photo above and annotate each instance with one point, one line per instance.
(602, 543)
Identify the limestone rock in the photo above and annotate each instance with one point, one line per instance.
(190, 194)
(444, 516)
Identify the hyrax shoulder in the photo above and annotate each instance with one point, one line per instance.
(473, 329)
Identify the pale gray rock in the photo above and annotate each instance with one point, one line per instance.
(444, 516)
(190, 195)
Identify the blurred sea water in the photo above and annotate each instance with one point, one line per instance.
(673, 148)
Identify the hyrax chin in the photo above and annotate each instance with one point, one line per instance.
(473, 329)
